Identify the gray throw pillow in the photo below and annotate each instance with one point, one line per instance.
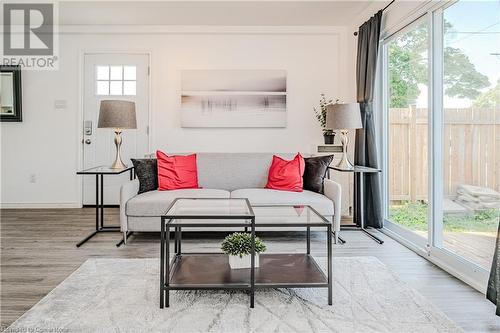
(315, 172)
(147, 172)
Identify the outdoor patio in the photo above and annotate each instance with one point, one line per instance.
(469, 234)
(477, 247)
(470, 188)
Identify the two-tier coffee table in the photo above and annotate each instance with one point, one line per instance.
(191, 271)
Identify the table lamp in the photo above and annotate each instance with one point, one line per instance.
(118, 115)
(343, 117)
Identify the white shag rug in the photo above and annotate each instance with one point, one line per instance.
(122, 295)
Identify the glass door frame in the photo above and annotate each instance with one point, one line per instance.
(432, 247)
(419, 243)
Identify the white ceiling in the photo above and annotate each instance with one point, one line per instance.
(240, 13)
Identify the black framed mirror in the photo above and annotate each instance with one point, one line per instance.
(10, 94)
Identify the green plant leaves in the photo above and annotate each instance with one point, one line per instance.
(240, 244)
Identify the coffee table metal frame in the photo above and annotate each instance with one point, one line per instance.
(169, 267)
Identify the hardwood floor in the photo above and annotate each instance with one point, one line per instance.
(38, 252)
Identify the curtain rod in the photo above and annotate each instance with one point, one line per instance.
(390, 3)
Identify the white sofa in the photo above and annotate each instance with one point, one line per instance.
(224, 175)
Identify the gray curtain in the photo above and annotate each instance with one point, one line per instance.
(493, 292)
(365, 152)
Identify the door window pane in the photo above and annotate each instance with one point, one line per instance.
(129, 88)
(115, 88)
(116, 72)
(129, 73)
(116, 80)
(471, 130)
(102, 72)
(408, 129)
(102, 87)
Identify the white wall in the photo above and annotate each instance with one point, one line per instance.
(46, 143)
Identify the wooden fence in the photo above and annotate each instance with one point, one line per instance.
(471, 151)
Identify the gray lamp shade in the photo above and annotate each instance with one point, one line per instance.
(117, 114)
(343, 116)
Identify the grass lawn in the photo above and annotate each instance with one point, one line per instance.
(413, 215)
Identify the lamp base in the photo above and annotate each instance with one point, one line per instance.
(118, 163)
(344, 162)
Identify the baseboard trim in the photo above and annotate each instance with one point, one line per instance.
(39, 205)
(105, 206)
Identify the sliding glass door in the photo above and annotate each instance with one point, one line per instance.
(441, 93)
(407, 136)
(470, 198)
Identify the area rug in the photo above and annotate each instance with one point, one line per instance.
(122, 295)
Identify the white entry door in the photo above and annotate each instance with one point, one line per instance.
(113, 77)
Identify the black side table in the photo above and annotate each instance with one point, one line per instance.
(99, 173)
(359, 171)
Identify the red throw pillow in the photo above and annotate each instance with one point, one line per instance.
(286, 175)
(176, 172)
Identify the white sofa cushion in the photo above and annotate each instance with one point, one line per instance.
(155, 203)
(264, 196)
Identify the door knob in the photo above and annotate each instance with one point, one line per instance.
(88, 141)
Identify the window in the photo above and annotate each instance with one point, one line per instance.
(470, 197)
(408, 66)
(116, 80)
(441, 152)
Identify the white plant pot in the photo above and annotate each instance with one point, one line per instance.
(244, 262)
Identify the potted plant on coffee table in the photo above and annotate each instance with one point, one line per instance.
(238, 246)
(320, 114)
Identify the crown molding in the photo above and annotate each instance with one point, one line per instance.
(176, 29)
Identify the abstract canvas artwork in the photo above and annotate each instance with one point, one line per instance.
(233, 98)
